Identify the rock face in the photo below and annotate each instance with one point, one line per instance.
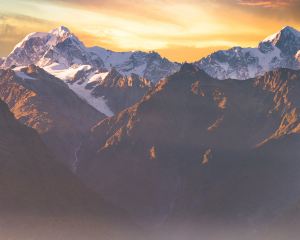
(199, 149)
(277, 51)
(120, 91)
(108, 92)
(61, 54)
(46, 104)
(57, 46)
(60, 46)
(150, 65)
(287, 40)
(38, 191)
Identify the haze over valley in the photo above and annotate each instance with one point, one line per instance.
(107, 143)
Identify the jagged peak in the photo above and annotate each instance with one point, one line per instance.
(29, 36)
(61, 31)
(284, 31)
(114, 72)
(154, 54)
(289, 28)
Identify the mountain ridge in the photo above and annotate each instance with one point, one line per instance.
(36, 190)
(62, 54)
(191, 140)
(46, 104)
(276, 51)
(125, 62)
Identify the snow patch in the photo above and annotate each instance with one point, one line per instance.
(97, 77)
(97, 102)
(111, 59)
(61, 71)
(67, 74)
(271, 38)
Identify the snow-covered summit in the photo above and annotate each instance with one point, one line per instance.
(51, 38)
(276, 51)
(283, 32)
(62, 54)
(109, 81)
(61, 46)
(57, 46)
(149, 65)
(61, 31)
(287, 40)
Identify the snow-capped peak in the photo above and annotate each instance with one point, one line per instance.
(62, 54)
(53, 37)
(61, 31)
(291, 29)
(61, 46)
(287, 40)
(29, 36)
(279, 50)
(283, 32)
(149, 65)
(56, 46)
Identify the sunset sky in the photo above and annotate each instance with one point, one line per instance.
(179, 30)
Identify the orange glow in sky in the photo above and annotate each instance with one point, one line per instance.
(179, 30)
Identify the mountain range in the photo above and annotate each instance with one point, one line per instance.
(281, 50)
(47, 104)
(63, 55)
(194, 139)
(168, 145)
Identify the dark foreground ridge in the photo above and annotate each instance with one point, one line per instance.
(41, 198)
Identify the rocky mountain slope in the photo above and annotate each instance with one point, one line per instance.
(59, 46)
(191, 150)
(63, 48)
(150, 65)
(38, 191)
(280, 50)
(199, 150)
(120, 91)
(108, 92)
(62, 54)
(46, 104)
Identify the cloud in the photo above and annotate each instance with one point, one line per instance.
(145, 10)
(267, 3)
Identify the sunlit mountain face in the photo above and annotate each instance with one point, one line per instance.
(106, 132)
